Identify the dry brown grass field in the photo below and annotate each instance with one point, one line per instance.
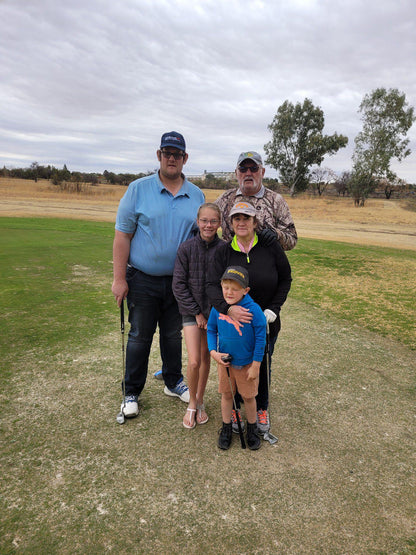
(388, 223)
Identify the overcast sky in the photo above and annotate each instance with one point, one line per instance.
(93, 83)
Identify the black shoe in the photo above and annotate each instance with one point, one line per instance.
(253, 438)
(226, 436)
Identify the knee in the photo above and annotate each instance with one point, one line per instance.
(227, 396)
(193, 365)
(137, 335)
(171, 334)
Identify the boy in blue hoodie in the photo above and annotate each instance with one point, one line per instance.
(245, 344)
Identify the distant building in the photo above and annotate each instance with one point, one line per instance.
(227, 176)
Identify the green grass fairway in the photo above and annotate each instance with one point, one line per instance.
(373, 287)
(341, 479)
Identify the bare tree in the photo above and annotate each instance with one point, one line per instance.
(320, 178)
(389, 186)
(34, 167)
(341, 184)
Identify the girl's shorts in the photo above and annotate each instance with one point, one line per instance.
(188, 321)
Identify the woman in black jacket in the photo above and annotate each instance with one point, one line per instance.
(269, 281)
(193, 259)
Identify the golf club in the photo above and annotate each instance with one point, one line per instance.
(267, 435)
(120, 416)
(227, 358)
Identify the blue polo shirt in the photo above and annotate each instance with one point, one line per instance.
(160, 222)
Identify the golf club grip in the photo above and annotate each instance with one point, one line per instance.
(122, 316)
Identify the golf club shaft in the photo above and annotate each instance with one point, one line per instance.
(123, 352)
(268, 436)
(240, 429)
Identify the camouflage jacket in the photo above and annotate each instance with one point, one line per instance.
(272, 212)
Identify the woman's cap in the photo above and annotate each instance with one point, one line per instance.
(243, 207)
(238, 274)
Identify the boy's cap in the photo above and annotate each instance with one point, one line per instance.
(251, 155)
(236, 273)
(243, 207)
(173, 139)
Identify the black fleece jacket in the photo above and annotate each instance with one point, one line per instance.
(269, 277)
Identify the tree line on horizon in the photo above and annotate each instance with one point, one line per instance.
(297, 149)
(322, 181)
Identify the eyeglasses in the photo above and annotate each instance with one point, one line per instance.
(244, 169)
(177, 155)
(203, 221)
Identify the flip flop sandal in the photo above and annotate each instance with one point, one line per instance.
(201, 408)
(187, 425)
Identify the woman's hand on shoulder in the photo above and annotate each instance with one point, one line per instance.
(240, 314)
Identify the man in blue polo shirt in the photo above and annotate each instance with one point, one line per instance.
(156, 214)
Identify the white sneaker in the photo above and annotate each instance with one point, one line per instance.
(130, 407)
(180, 390)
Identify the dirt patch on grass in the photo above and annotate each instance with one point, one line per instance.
(380, 222)
(340, 480)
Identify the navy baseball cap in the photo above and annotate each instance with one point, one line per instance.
(172, 138)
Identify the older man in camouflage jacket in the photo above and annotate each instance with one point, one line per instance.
(272, 211)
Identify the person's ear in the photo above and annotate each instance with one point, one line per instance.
(159, 155)
(246, 290)
(185, 158)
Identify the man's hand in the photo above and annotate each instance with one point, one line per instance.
(267, 236)
(120, 290)
(240, 314)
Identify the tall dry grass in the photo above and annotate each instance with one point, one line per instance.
(45, 189)
(400, 212)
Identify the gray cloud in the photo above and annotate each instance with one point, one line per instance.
(94, 84)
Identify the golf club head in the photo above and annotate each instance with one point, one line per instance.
(120, 418)
(270, 438)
